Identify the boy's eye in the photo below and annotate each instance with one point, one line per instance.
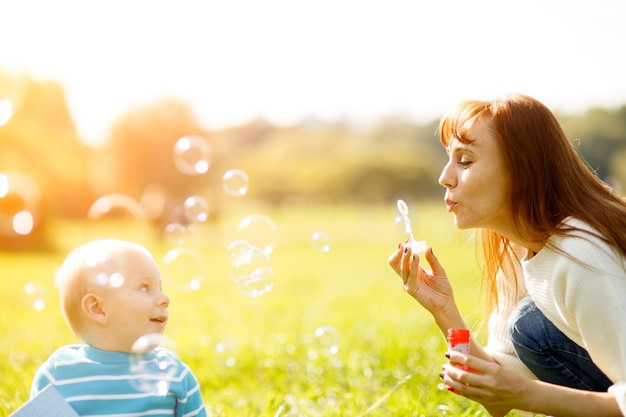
(144, 288)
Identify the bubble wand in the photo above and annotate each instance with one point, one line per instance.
(416, 246)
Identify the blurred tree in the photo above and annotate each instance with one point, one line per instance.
(138, 156)
(40, 141)
(598, 135)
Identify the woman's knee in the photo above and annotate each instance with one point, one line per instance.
(525, 324)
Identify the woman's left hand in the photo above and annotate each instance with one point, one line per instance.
(498, 389)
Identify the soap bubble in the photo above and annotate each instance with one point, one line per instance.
(153, 364)
(235, 182)
(116, 207)
(175, 233)
(98, 273)
(321, 241)
(254, 277)
(239, 253)
(36, 295)
(114, 280)
(192, 155)
(196, 209)
(183, 269)
(118, 215)
(400, 226)
(20, 204)
(259, 231)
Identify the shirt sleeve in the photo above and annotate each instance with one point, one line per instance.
(40, 380)
(192, 405)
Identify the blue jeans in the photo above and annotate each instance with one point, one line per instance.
(551, 355)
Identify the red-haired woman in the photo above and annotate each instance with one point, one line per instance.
(553, 239)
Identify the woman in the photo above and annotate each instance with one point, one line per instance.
(553, 239)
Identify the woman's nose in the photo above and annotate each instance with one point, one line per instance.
(446, 179)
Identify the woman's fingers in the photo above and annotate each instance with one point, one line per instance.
(395, 258)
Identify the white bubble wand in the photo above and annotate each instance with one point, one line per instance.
(416, 246)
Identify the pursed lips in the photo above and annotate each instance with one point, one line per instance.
(450, 205)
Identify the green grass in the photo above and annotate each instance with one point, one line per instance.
(260, 357)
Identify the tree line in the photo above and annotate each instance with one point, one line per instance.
(310, 162)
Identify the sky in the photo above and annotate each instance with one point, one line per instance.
(285, 60)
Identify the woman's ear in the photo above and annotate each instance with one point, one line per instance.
(93, 308)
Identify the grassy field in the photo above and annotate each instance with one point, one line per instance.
(273, 355)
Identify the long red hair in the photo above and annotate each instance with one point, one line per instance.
(549, 181)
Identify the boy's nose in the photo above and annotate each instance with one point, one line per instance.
(165, 300)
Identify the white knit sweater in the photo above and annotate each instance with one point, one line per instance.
(584, 294)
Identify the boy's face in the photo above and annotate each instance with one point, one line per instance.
(134, 304)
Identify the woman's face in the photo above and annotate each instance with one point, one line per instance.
(476, 181)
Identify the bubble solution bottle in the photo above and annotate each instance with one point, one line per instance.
(459, 341)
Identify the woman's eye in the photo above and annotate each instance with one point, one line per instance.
(464, 163)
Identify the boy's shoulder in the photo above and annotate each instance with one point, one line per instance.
(69, 352)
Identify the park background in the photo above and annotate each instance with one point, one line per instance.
(334, 334)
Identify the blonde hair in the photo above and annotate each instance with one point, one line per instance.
(550, 181)
(76, 277)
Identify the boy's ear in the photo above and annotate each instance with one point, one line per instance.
(93, 308)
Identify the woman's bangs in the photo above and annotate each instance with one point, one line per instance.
(456, 123)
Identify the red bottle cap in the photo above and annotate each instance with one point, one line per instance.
(459, 335)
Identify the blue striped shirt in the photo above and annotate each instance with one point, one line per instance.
(99, 383)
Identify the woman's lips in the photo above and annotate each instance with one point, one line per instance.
(450, 205)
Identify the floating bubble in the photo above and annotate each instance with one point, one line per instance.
(153, 364)
(36, 295)
(326, 341)
(175, 233)
(114, 280)
(151, 341)
(116, 206)
(321, 241)
(235, 182)
(239, 253)
(258, 230)
(183, 269)
(192, 155)
(196, 209)
(97, 271)
(20, 204)
(399, 224)
(254, 277)
(118, 215)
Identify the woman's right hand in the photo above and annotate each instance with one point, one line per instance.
(431, 288)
